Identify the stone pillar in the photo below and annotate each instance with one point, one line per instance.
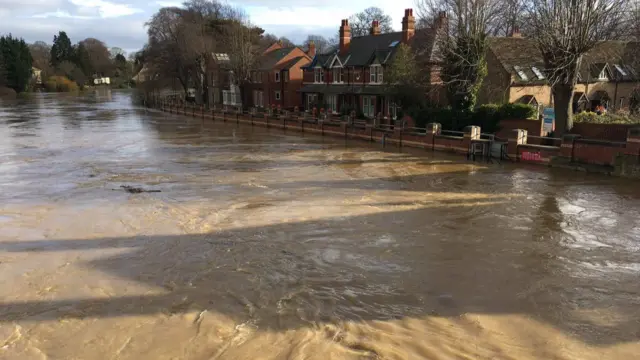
(566, 149)
(516, 138)
(471, 133)
(433, 129)
(633, 142)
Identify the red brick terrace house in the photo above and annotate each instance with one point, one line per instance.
(351, 77)
(278, 77)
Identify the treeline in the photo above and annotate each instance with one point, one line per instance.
(63, 66)
(182, 39)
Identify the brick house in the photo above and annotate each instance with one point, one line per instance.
(222, 85)
(352, 76)
(277, 77)
(607, 76)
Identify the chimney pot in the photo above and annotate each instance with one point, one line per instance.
(375, 27)
(408, 25)
(345, 36)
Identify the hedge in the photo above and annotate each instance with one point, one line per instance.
(488, 116)
(60, 84)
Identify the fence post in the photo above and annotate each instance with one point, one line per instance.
(433, 129)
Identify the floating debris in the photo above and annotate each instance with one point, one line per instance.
(137, 190)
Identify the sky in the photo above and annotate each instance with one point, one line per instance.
(121, 23)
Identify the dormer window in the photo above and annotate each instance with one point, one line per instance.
(538, 73)
(318, 75)
(620, 70)
(375, 73)
(603, 75)
(520, 73)
(338, 76)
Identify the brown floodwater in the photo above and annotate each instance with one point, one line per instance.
(265, 244)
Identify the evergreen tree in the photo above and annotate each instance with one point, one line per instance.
(17, 61)
(61, 50)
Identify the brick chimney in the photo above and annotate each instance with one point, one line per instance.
(408, 25)
(375, 28)
(345, 36)
(442, 21)
(515, 33)
(312, 49)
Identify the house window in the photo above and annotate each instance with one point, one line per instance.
(368, 106)
(277, 95)
(621, 106)
(520, 73)
(603, 75)
(620, 70)
(318, 75)
(311, 100)
(375, 74)
(338, 76)
(277, 76)
(286, 75)
(538, 73)
(261, 98)
(332, 103)
(255, 98)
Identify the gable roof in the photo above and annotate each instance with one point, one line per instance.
(380, 49)
(289, 64)
(270, 60)
(523, 53)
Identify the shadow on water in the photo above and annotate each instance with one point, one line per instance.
(334, 270)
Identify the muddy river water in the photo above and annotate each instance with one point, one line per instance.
(264, 244)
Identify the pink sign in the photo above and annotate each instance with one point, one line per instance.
(531, 156)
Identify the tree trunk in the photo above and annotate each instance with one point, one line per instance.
(563, 108)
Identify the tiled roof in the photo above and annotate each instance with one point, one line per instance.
(268, 61)
(287, 65)
(363, 50)
(521, 56)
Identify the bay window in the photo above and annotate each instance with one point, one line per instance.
(318, 75)
(338, 76)
(332, 103)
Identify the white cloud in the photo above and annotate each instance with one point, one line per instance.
(169, 3)
(60, 14)
(104, 9)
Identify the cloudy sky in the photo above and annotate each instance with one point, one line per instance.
(121, 22)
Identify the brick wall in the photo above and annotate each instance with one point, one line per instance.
(533, 127)
(609, 132)
(596, 152)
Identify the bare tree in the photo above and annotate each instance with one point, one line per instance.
(467, 24)
(321, 43)
(243, 42)
(98, 56)
(361, 22)
(564, 31)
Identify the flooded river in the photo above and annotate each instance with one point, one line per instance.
(265, 244)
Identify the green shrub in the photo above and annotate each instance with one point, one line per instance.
(634, 101)
(60, 84)
(608, 118)
(517, 111)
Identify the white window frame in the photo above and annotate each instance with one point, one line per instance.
(603, 75)
(538, 73)
(332, 103)
(521, 73)
(338, 76)
(277, 76)
(311, 98)
(368, 106)
(375, 74)
(318, 75)
(278, 95)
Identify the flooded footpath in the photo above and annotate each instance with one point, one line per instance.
(262, 244)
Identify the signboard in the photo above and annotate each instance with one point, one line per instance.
(549, 118)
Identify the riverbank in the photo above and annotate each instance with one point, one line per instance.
(573, 153)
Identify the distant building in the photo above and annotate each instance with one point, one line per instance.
(278, 77)
(516, 74)
(36, 75)
(101, 81)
